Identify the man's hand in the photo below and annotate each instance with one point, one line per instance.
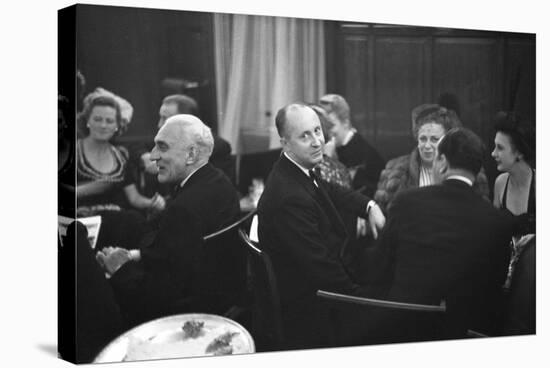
(111, 259)
(377, 220)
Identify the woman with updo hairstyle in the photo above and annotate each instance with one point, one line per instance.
(514, 154)
(429, 123)
(104, 183)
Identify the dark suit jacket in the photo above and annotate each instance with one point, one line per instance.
(172, 266)
(358, 152)
(304, 235)
(445, 242)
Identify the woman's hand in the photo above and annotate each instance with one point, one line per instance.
(158, 203)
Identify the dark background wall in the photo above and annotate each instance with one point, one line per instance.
(384, 71)
(131, 51)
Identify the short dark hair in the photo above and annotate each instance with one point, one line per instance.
(100, 100)
(521, 134)
(186, 104)
(463, 149)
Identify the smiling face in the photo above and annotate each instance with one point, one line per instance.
(303, 137)
(102, 123)
(428, 136)
(171, 154)
(505, 154)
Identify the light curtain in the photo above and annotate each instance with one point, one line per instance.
(263, 63)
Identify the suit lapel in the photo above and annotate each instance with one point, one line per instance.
(331, 210)
(319, 194)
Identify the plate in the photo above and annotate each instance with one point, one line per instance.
(164, 338)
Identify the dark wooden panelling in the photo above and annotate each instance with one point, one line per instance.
(466, 68)
(131, 50)
(356, 77)
(384, 71)
(400, 83)
(520, 78)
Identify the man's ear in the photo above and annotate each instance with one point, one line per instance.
(193, 155)
(283, 142)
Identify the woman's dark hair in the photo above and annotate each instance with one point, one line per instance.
(521, 134)
(87, 111)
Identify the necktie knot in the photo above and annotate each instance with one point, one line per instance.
(313, 177)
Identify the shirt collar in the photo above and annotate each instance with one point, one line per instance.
(305, 171)
(348, 137)
(189, 176)
(461, 178)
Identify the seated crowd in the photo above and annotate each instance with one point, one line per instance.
(419, 229)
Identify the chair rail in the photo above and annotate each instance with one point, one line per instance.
(229, 227)
(382, 303)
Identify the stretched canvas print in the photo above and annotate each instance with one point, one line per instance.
(238, 184)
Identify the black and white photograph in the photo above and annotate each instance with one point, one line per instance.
(242, 185)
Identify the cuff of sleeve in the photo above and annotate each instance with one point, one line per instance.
(135, 255)
(370, 205)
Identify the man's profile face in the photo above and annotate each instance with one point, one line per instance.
(167, 110)
(303, 137)
(170, 154)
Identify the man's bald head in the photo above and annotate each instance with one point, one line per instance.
(291, 112)
(182, 145)
(301, 134)
(193, 131)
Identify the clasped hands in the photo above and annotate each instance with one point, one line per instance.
(112, 258)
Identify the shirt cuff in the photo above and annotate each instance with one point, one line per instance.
(370, 205)
(135, 255)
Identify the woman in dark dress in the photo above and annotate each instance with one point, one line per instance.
(514, 192)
